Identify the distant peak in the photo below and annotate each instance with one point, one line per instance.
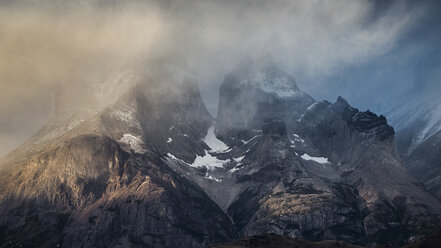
(342, 107)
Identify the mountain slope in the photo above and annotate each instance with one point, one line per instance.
(415, 120)
(100, 184)
(145, 165)
(419, 138)
(424, 163)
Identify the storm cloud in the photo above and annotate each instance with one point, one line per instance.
(46, 46)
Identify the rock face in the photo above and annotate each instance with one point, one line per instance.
(91, 193)
(147, 166)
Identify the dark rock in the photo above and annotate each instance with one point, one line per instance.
(275, 127)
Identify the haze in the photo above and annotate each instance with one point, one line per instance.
(357, 49)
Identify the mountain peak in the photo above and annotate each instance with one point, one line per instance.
(266, 76)
(341, 101)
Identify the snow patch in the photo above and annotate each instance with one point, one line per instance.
(248, 141)
(307, 109)
(311, 106)
(239, 162)
(175, 158)
(320, 160)
(226, 151)
(133, 141)
(208, 161)
(172, 156)
(298, 138)
(213, 178)
(215, 144)
(239, 159)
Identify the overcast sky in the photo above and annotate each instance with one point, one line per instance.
(369, 52)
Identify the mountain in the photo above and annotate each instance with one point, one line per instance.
(138, 161)
(418, 124)
(91, 179)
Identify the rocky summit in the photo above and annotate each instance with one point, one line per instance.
(142, 163)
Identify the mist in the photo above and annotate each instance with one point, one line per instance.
(52, 46)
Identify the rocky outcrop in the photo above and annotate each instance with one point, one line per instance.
(363, 121)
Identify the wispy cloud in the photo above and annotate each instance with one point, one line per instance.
(44, 44)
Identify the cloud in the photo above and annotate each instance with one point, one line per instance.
(50, 45)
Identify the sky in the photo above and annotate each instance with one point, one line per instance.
(373, 53)
(411, 68)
